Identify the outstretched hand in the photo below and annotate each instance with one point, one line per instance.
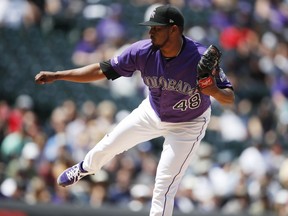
(45, 77)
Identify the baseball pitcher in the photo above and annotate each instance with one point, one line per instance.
(181, 75)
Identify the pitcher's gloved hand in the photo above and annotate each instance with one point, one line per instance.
(208, 66)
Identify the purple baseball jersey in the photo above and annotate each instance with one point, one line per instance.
(172, 83)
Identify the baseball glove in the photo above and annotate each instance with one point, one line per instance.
(207, 64)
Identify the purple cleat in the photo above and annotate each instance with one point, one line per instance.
(72, 175)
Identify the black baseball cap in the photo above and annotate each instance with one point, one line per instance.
(165, 15)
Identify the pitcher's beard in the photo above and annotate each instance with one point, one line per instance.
(159, 46)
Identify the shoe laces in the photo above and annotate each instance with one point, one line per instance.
(74, 172)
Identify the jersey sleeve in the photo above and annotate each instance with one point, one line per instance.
(125, 64)
(108, 70)
(222, 80)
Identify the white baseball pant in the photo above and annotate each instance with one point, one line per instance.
(181, 142)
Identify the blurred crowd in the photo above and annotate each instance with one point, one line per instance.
(242, 164)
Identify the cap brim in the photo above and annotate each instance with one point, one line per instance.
(151, 23)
